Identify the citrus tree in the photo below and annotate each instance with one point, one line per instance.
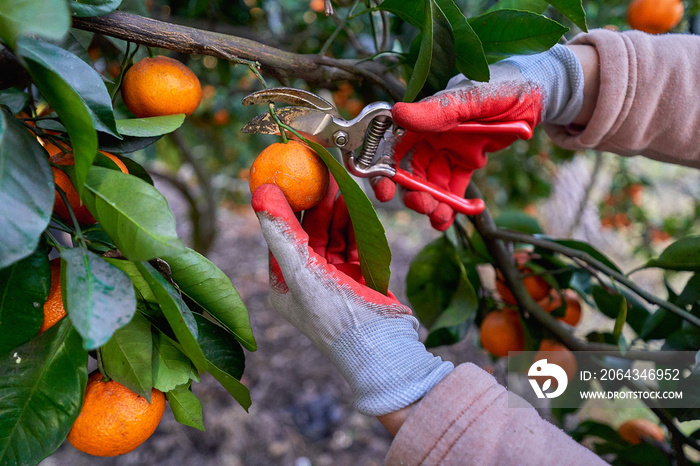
(155, 314)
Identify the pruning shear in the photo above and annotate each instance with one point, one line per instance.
(372, 134)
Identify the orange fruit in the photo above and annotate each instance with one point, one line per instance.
(296, 169)
(635, 430)
(536, 286)
(655, 16)
(160, 86)
(114, 420)
(562, 357)
(501, 332)
(53, 307)
(82, 214)
(221, 117)
(318, 6)
(572, 315)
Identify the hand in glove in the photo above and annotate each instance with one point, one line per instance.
(317, 285)
(546, 87)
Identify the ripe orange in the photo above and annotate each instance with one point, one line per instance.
(655, 16)
(573, 308)
(82, 214)
(53, 307)
(563, 357)
(114, 420)
(160, 86)
(296, 169)
(635, 430)
(572, 315)
(317, 5)
(536, 286)
(501, 332)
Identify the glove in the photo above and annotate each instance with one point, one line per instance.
(546, 87)
(317, 285)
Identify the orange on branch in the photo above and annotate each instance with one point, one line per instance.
(61, 157)
(560, 355)
(53, 307)
(114, 420)
(655, 16)
(501, 332)
(296, 169)
(161, 86)
(635, 430)
(536, 286)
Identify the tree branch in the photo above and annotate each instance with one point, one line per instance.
(484, 224)
(183, 39)
(585, 257)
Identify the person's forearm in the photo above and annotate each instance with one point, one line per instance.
(588, 57)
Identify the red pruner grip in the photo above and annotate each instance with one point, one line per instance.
(479, 139)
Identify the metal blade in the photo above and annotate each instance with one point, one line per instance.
(291, 96)
(311, 124)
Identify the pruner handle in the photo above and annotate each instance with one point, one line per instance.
(459, 204)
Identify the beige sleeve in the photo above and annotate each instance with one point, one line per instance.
(465, 419)
(649, 98)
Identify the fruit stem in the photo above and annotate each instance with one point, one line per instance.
(281, 126)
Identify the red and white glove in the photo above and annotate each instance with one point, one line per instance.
(534, 88)
(317, 285)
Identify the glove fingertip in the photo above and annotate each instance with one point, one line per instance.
(422, 203)
(270, 199)
(442, 217)
(384, 188)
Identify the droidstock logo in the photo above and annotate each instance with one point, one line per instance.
(543, 372)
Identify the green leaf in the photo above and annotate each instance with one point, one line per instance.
(433, 277)
(26, 191)
(45, 18)
(219, 348)
(517, 220)
(372, 245)
(660, 325)
(99, 297)
(177, 313)
(572, 9)
(24, 288)
(458, 316)
(42, 384)
(81, 77)
(127, 356)
(613, 306)
(149, 127)
(170, 365)
(14, 99)
(470, 58)
(126, 145)
(512, 32)
(411, 11)
(587, 248)
(186, 407)
(435, 60)
(205, 283)
(140, 283)
(67, 103)
(93, 7)
(535, 6)
(691, 292)
(134, 214)
(683, 254)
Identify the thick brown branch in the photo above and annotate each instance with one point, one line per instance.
(484, 224)
(311, 68)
